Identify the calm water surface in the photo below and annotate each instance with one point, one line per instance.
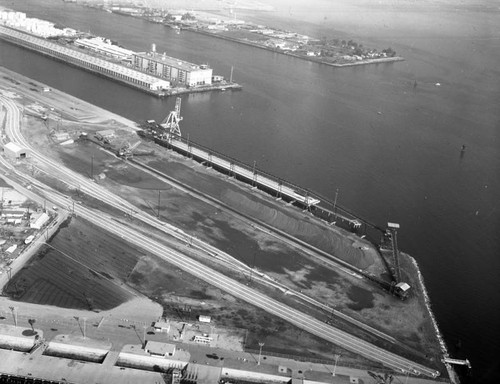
(392, 150)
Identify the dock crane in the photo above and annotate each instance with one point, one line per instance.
(390, 242)
(171, 122)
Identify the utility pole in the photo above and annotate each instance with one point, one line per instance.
(254, 175)
(84, 325)
(14, 314)
(337, 357)
(158, 204)
(260, 352)
(253, 265)
(92, 167)
(335, 205)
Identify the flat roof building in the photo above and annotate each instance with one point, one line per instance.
(156, 348)
(40, 221)
(104, 46)
(172, 69)
(94, 64)
(162, 326)
(15, 151)
(204, 319)
(105, 134)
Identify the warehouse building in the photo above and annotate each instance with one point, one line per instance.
(156, 348)
(175, 70)
(104, 46)
(14, 151)
(83, 60)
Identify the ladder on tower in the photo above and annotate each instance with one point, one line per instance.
(171, 122)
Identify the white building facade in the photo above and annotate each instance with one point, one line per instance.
(172, 69)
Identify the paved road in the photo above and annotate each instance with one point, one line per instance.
(195, 268)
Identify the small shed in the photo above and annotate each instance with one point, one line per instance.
(403, 290)
(162, 326)
(403, 286)
(105, 134)
(155, 348)
(61, 136)
(204, 319)
(15, 151)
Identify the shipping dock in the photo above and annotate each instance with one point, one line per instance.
(90, 63)
(168, 134)
(150, 72)
(238, 170)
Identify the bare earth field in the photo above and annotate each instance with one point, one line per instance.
(99, 263)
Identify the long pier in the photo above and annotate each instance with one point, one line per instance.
(120, 73)
(320, 206)
(237, 169)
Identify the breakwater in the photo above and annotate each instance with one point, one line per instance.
(444, 349)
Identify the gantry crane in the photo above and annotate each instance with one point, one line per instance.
(171, 123)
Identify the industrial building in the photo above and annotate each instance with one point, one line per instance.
(14, 151)
(105, 134)
(35, 26)
(155, 348)
(104, 46)
(175, 70)
(91, 63)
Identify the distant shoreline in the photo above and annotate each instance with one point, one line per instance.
(312, 59)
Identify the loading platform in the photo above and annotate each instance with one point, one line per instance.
(237, 169)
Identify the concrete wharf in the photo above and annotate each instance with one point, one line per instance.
(240, 170)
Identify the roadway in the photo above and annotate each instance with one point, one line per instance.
(180, 260)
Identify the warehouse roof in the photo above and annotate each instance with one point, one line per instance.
(171, 61)
(14, 147)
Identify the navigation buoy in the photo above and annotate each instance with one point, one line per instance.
(463, 148)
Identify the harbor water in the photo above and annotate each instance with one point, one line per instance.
(388, 136)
